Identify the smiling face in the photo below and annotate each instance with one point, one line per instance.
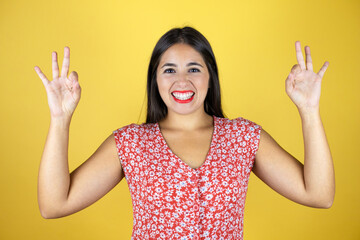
(182, 79)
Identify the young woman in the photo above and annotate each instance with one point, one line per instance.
(188, 166)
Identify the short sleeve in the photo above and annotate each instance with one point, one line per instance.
(249, 135)
(123, 138)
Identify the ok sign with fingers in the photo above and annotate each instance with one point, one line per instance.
(303, 85)
(63, 92)
(311, 183)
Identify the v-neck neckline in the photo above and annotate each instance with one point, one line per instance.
(209, 153)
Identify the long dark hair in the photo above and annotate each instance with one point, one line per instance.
(156, 108)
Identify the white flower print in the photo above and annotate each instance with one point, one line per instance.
(172, 200)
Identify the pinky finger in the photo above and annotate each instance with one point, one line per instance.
(323, 69)
(42, 76)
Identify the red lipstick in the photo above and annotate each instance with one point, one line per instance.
(183, 101)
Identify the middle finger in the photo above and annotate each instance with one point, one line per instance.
(66, 63)
(299, 55)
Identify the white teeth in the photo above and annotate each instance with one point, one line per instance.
(183, 96)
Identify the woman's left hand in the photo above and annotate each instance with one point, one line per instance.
(303, 85)
(311, 183)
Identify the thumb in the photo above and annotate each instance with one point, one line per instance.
(289, 83)
(296, 69)
(74, 76)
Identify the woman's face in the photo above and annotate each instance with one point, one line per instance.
(183, 79)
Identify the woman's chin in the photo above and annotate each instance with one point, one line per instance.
(185, 110)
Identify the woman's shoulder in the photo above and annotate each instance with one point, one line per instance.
(237, 122)
(242, 129)
(135, 128)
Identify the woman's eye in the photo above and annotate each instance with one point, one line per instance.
(169, 70)
(194, 70)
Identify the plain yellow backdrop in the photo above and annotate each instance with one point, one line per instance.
(111, 43)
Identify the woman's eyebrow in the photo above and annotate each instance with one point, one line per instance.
(174, 65)
(194, 63)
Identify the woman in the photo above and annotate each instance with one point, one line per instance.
(187, 167)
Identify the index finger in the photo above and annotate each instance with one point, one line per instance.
(299, 55)
(66, 62)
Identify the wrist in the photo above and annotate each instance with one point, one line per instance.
(61, 122)
(309, 114)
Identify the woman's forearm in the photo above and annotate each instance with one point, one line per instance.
(54, 177)
(318, 165)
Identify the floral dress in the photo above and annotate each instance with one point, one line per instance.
(170, 199)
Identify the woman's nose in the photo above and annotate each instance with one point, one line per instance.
(183, 79)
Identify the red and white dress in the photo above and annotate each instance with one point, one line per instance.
(174, 201)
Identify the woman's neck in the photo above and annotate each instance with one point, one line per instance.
(188, 122)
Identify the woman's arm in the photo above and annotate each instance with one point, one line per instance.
(61, 193)
(311, 184)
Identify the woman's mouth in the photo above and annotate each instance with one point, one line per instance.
(183, 96)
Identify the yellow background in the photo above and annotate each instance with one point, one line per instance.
(111, 43)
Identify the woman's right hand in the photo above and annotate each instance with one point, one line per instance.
(63, 92)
